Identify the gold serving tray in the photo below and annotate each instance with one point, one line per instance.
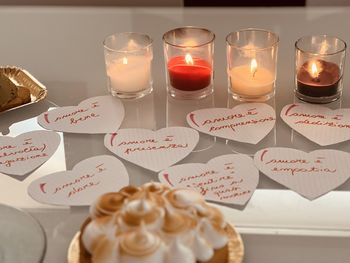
(23, 78)
(235, 247)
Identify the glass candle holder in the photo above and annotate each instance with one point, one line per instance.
(188, 53)
(128, 58)
(251, 64)
(319, 68)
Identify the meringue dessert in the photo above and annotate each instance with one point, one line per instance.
(153, 224)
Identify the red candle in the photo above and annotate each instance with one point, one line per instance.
(189, 74)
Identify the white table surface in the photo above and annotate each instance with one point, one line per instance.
(62, 47)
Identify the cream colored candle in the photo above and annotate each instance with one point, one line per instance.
(130, 74)
(251, 80)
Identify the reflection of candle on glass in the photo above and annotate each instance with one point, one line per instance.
(251, 80)
(130, 74)
(189, 73)
(318, 78)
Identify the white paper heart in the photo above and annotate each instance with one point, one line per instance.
(319, 124)
(153, 150)
(101, 114)
(81, 186)
(228, 178)
(309, 174)
(26, 152)
(248, 122)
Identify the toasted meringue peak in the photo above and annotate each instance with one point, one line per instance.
(143, 206)
(177, 253)
(155, 187)
(139, 206)
(216, 217)
(129, 190)
(97, 229)
(106, 251)
(140, 210)
(175, 222)
(183, 198)
(107, 204)
(150, 196)
(202, 250)
(201, 210)
(140, 242)
(215, 238)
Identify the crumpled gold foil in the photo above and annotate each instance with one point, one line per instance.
(23, 78)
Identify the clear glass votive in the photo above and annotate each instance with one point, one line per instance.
(319, 68)
(188, 53)
(252, 64)
(128, 58)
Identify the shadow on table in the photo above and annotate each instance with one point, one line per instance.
(21, 178)
(7, 119)
(67, 93)
(176, 114)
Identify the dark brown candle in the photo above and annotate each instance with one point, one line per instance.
(318, 78)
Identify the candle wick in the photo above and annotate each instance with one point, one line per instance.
(254, 73)
(317, 79)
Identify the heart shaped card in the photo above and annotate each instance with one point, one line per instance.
(153, 150)
(81, 186)
(309, 174)
(247, 122)
(230, 179)
(101, 114)
(22, 154)
(319, 124)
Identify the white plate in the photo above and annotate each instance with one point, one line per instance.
(21, 237)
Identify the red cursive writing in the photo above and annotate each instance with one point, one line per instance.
(155, 148)
(137, 142)
(193, 177)
(7, 147)
(244, 123)
(10, 162)
(70, 114)
(76, 190)
(250, 112)
(324, 123)
(287, 161)
(296, 170)
(84, 118)
(81, 179)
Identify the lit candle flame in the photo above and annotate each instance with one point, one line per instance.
(315, 69)
(188, 59)
(125, 61)
(253, 66)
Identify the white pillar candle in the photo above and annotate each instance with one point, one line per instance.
(131, 73)
(251, 80)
